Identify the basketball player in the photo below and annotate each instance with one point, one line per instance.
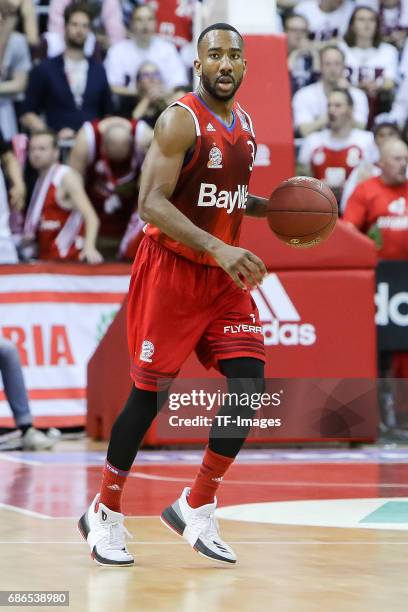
(60, 218)
(190, 281)
(108, 154)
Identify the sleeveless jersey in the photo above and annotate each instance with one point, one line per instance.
(212, 188)
(112, 188)
(60, 230)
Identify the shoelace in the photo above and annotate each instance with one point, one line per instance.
(206, 524)
(117, 533)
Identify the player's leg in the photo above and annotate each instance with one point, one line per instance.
(103, 523)
(192, 515)
(163, 329)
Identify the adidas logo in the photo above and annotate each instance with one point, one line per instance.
(210, 127)
(217, 479)
(279, 317)
(114, 487)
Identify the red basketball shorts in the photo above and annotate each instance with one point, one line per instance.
(177, 306)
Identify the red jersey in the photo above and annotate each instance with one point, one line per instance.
(174, 20)
(377, 206)
(60, 230)
(112, 188)
(212, 188)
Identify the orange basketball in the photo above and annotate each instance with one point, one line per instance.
(302, 211)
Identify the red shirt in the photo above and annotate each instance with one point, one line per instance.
(174, 20)
(213, 185)
(112, 188)
(373, 203)
(61, 230)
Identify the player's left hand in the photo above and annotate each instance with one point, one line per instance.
(90, 255)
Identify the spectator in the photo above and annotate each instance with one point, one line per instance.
(107, 23)
(15, 64)
(372, 64)
(174, 18)
(25, 436)
(69, 89)
(303, 58)
(328, 19)
(399, 109)
(16, 198)
(383, 132)
(125, 58)
(152, 98)
(310, 103)
(22, 11)
(108, 154)
(330, 155)
(394, 22)
(60, 218)
(378, 207)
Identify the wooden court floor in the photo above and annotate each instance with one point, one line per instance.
(281, 567)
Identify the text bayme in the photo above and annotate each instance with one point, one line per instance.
(210, 196)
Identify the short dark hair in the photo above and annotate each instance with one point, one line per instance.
(46, 132)
(77, 7)
(390, 124)
(345, 93)
(331, 48)
(350, 37)
(218, 26)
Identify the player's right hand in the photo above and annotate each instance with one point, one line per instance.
(241, 265)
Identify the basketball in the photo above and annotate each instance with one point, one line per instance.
(302, 212)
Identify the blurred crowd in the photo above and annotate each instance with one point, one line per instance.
(83, 83)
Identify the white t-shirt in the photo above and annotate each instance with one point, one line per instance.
(125, 58)
(310, 103)
(371, 64)
(323, 25)
(332, 159)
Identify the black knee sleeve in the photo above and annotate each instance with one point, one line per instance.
(131, 426)
(245, 375)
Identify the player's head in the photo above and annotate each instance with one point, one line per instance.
(43, 149)
(220, 65)
(339, 108)
(331, 64)
(143, 23)
(384, 131)
(394, 161)
(117, 142)
(77, 19)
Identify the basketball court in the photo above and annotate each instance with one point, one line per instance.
(313, 530)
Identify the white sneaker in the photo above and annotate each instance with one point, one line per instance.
(105, 533)
(199, 527)
(35, 440)
(12, 440)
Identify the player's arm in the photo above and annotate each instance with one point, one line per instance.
(256, 206)
(175, 135)
(78, 157)
(73, 188)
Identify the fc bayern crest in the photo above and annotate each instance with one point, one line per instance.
(147, 351)
(214, 158)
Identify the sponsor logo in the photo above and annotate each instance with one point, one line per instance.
(210, 127)
(147, 351)
(114, 487)
(389, 309)
(242, 327)
(398, 207)
(281, 322)
(210, 196)
(214, 158)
